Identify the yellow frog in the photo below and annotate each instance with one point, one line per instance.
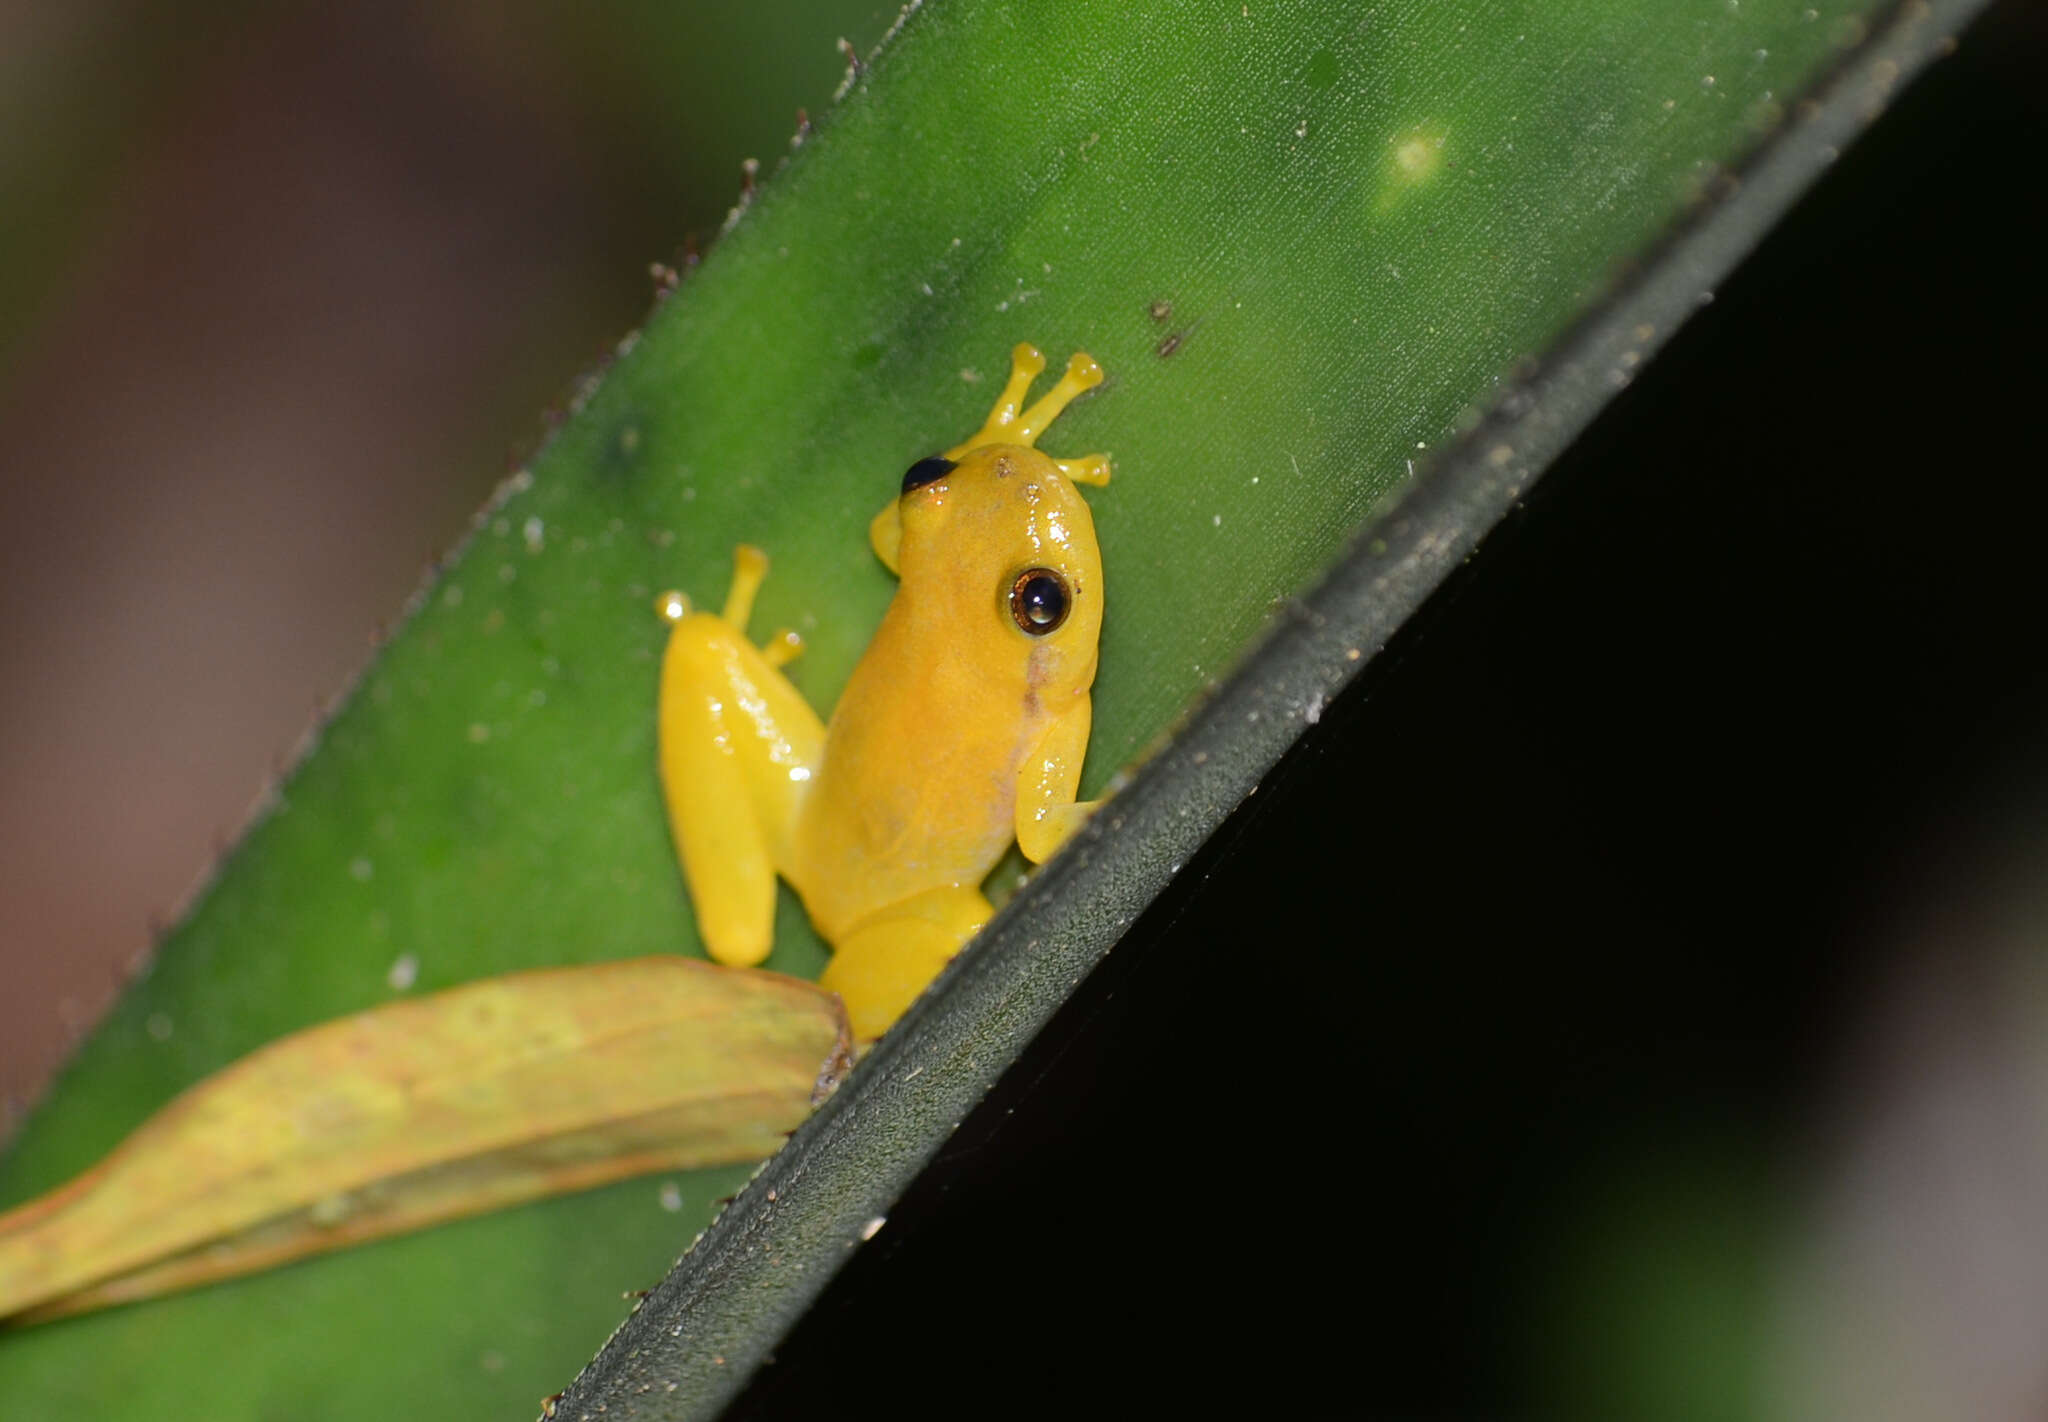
(962, 727)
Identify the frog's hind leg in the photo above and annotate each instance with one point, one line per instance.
(1005, 425)
(1026, 361)
(881, 966)
(739, 746)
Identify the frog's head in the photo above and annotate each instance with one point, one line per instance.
(994, 537)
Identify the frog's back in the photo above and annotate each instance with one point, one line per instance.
(917, 786)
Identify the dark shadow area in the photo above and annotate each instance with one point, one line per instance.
(1528, 977)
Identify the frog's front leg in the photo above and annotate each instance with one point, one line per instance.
(880, 966)
(1047, 781)
(739, 749)
(883, 963)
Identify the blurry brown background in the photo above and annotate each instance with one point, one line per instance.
(281, 287)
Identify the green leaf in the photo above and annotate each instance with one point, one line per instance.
(1309, 243)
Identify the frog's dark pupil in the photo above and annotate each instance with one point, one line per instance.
(927, 471)
(1038, 600)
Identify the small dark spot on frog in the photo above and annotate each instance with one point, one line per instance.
(868, 356)
(1004, 468)
(1160, 309)
(1171, 344)
(927, 471)
(1322, 69)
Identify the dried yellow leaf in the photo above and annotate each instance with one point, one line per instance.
(468, 1100)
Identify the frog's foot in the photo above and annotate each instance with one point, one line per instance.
(1006, 426)
(1026, 361)
(1043, 833)
(1082, 374)
(881, 966)
(750, 570)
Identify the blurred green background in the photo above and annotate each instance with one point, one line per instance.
(282, 290)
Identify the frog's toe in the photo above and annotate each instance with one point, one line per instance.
(1091, 469)
(749, 570)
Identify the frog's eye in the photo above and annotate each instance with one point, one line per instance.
(927, 471)
(1039, 600)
